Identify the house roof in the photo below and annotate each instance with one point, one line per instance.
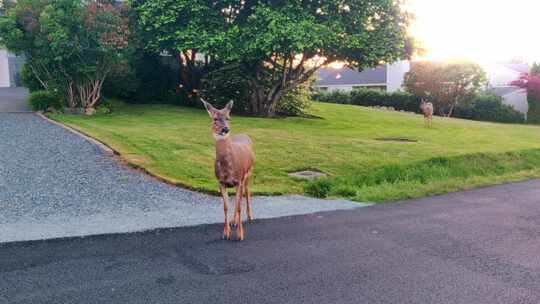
(518, 67)
(348, 76)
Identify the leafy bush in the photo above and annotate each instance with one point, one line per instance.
(43, 100)
(489, 107)
(296, 102)
(319, 188)
(105, 106)
(369, 98)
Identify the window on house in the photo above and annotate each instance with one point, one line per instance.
(324, 89)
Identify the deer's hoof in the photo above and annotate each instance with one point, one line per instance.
(240, 234)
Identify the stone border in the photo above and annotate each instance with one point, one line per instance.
(102, 146)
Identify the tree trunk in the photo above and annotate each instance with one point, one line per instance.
(36, 74)
(190, 74)
(70, 95)
(268, 86)
(262, 103)
(90, 94)
(451, 110)
(256, 102)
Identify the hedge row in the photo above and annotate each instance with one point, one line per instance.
(401, 101)
(489, 107)
(486, 107)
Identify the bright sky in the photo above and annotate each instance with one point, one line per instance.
(478, 30)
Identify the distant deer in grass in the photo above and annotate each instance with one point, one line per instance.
(427, 109)
(233, 166)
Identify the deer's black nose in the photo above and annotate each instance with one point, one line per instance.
(225, 130)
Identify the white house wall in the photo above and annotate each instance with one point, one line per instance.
(395, 74)
(518, 100)
(499, 75)
(4, 69)
(347, 88)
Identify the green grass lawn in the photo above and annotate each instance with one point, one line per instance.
(176, 143)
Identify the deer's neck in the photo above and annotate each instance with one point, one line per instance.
(224, 149)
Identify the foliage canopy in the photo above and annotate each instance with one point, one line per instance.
(277, 45)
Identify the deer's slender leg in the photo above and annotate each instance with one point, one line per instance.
(235, 218)
(227, 227)
(238, 213)
(248, 201)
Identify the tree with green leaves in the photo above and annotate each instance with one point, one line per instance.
(277, 45)
(445, 84)
(71, 46)
(183, 29)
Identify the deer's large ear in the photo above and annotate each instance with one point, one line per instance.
(228, 107)
(211, 110)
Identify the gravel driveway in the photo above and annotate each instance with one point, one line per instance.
(14, 100)
(53, 183)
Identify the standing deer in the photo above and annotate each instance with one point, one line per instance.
(427, 109)
(233, 166)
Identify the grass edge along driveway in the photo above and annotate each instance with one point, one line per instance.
(360, 148)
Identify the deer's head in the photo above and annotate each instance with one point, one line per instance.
(220, 125)
(423, 103)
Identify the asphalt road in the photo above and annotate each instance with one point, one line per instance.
(479, 246)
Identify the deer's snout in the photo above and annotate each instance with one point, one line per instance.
(225, 130)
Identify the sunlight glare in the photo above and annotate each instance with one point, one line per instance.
(478, 30)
